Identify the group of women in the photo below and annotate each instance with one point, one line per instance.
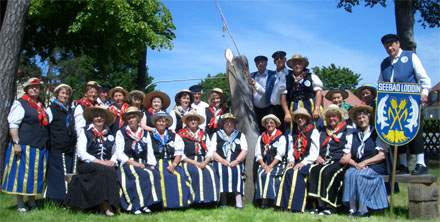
(134, 156)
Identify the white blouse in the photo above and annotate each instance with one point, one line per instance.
(80, 122)
(120, 146)
(16, 115)
(81, 146)
(280, 145)
(213, 144)
(313, 150)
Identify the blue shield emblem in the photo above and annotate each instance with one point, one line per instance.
(398, 112)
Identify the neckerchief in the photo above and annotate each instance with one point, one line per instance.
(228, 145)
(86, 103)
(180, 111)
(267, 139)
(69, 116)
(162, 142)
(119, 112)
(333, 134)
(151, 111)
(99, 134)
(215, 116)
(38, 106)
(363, 136)
(136, 136)
(198, 138)
(300, 143)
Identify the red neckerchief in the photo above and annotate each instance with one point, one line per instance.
(332, 135)
(98, 134)
(268, 139)
(214, 114)
(38, 106)
(301, 138)
(136, 136)
(151, 111)
(119, 112)
(85, 102)
(197, 138)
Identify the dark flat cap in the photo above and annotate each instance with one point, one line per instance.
(260, 58)
(389, 38)
(195, 88)
(279, 54)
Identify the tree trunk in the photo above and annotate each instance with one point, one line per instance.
(11, 35)
(404, 12)
(3, 4)
(142, 71)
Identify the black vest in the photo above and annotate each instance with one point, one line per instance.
(234, 154)
(309, 142)
(30, 131)
(100, 149)
(209, 116)
(141, 145)
(62, 138)
(272, 152)
(179, 123)
(167, 152)
(190, 150)
(335, 150)
(297, 91)
(149, 119)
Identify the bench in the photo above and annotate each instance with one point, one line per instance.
(423, 195)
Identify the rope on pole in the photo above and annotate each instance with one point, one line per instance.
(226, 26)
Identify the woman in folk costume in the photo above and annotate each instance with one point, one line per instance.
(217, 107)
(269, 153)
(184, 98)
(96, 184)
(136, 98)
(89, 100)
(303, 150)
(168, 148)
(230, 148)
(26, 156)
(119, 106)
(154, 102)
(139, 180)
(62, 142)
(364, 187)
(327, 174)
(196, 158)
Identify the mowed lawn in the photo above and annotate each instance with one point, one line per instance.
(49, 212)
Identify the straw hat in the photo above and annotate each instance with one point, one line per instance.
(180, 93)
(272, 117)
(299, 58)
(228, 116)
(366, 86)
(301, 112)
(91, 112)
(32, 81)
(62, 85)
(332, 108)
(359, 108)
(218, 91)
(330, 93)
(117, 89)
(162, 114)
(193, 114)
(93, 84)
(133, 110)
(163, 96)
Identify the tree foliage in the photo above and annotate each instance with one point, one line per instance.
(429, 9)
(217, 81)
(337, 77)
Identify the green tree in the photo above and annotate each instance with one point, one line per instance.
(217, 81)
(404, 11)
(337, 77)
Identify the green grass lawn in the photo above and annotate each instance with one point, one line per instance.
(50, 212)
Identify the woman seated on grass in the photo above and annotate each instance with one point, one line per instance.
(303, 150)
(364, 187)
(269, 153)
(139, 180)
(230, 148)
(196, 160)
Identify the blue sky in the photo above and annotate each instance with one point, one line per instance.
(316, 29)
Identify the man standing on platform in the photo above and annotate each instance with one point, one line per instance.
(263, 82)
(405, 66)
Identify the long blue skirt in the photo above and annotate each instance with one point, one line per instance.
(204, 183)
(366, 187)
(175, 187)
(139, 187)
(25, 175)
(292, 194)
(230, 178)
(268, 184)
(326, 182)
(56, 184)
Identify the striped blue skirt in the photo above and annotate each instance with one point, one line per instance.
(25, 175)
(175, 187)
(230, 178)
(268, 184)
(365, 187)
(326, 182)
(203, 182)
(139, 187)
(292, 194)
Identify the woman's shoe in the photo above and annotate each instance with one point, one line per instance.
(146, 210)
(325, 212)
(22, 210)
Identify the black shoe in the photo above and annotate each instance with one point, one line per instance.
(401, 169)
(359, 214)
(419, 170)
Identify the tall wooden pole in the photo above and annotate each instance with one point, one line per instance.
(393, 180)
